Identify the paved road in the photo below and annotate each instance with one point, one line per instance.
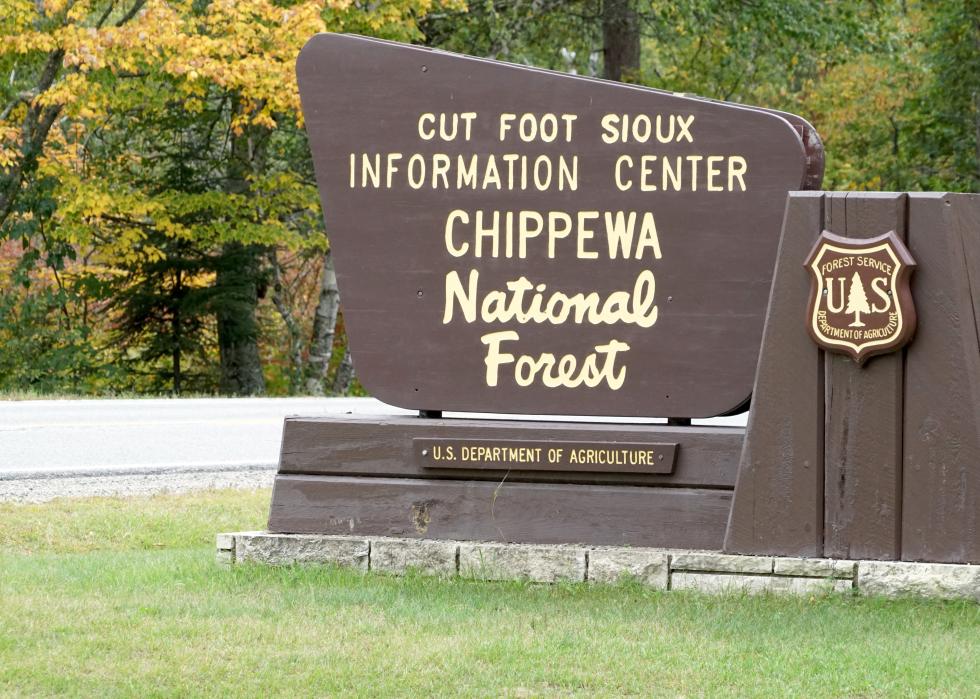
(96, 435)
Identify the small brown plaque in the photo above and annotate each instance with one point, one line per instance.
(860, 300)
(529, 455)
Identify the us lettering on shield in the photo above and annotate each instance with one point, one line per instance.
(860, 299)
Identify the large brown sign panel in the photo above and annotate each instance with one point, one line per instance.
(516, 240)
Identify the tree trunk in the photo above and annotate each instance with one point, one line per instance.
(238, 275)
(324, 322)
(620, 40)
(236, 298)
(345, 375)
(281, 301)
(34, 133)
(177, 297)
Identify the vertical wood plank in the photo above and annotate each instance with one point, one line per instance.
(941, 499)
(863, 409)
(778, 503)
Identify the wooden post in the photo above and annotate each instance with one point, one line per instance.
(863, 411)
(941, 498)
(778, 506)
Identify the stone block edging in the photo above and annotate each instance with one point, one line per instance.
(664, 569)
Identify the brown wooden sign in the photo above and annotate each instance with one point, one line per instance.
(526, 455)
(860, 300)
(517, 240)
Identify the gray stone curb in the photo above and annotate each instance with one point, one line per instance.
(535, 563)
(664, 569)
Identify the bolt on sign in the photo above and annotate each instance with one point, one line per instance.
(860, 299)
(516, 240)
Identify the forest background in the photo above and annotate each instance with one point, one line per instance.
(160, 230)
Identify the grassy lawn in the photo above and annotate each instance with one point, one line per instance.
(121, 597)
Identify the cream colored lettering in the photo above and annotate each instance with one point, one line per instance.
(392, 168)
(505, 120)
(641, 128)
(619, 233)
(678, 173)
(714, 172)
(556, 232)
(542, 181)
(530, 224)
(585, 233)
(879, 287)
(466, 174)
(694, 160)
(494, 356)
(507, 171)
(371, 169)
(648, 237)
(736, 169)
(427, 133)
(684, 129)
(645, 172)
(440, 168)
(565, 372)
(463, 217)
(483, 232)
(449, 124)
(620, 162)
(416, 171)
(456, 294)
(530, 127)
(490, 174)
(519, 230)
(526, 302)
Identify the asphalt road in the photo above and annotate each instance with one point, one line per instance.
(82, 436)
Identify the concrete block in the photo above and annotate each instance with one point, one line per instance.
(756, 584)
(286, 549)
(720, 562)
(224, 542)
(225, 558)
(810, 586)
(522, 562)
(939, 580)
(814, 567)
(423, 555)
(648, 566)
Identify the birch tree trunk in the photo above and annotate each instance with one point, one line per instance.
(345, 375)
(324, 324)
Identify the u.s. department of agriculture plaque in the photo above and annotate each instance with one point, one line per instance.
(860, 299)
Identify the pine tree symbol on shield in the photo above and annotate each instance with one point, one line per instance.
(857, 301)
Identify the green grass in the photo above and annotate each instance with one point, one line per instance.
(116, 597)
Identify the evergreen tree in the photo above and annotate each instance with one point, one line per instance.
(857, 301)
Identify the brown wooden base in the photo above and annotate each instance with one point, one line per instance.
(351, 475)
(877, 461)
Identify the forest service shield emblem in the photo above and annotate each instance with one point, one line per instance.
(860, 299)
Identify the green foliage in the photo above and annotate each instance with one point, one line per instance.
(40, 352)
